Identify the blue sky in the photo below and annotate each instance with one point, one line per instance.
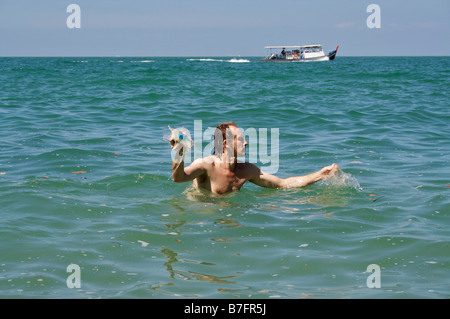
(222, 28)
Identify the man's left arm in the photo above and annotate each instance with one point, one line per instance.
(262, 179)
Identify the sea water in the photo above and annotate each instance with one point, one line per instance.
(85, 179)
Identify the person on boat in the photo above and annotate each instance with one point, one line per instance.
(221, 172)
(283, 53)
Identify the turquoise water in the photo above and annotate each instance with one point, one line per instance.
(85, 179)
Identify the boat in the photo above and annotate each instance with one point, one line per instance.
(299, 53)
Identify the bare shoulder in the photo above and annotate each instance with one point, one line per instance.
(205, 162)
(255, 175)
(249, 169)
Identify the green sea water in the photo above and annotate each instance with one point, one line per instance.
(85, 179)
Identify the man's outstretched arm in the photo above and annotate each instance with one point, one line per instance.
(271, 181)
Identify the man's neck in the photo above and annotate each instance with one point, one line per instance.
(228, 162)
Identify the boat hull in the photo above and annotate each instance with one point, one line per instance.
(323, 58)
(332, 54)
(298, 58)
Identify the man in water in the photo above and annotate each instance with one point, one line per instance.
(221, 173)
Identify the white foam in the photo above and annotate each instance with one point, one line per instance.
(234, 60)
(239, 61)
(205, 60)
(342, 179)
(143, 61)
(143, 243)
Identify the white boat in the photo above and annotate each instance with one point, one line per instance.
(299, 53)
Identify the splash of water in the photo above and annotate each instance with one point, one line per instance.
(342, 179)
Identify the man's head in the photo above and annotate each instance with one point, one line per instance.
(230, 138)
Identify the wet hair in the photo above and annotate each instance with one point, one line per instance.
(220, 135)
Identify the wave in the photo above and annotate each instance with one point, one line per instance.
(143, 61)
(234, 60)
(116, 61)
(239, 61)
(207, 60)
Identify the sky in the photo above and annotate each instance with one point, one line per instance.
(222, 28)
